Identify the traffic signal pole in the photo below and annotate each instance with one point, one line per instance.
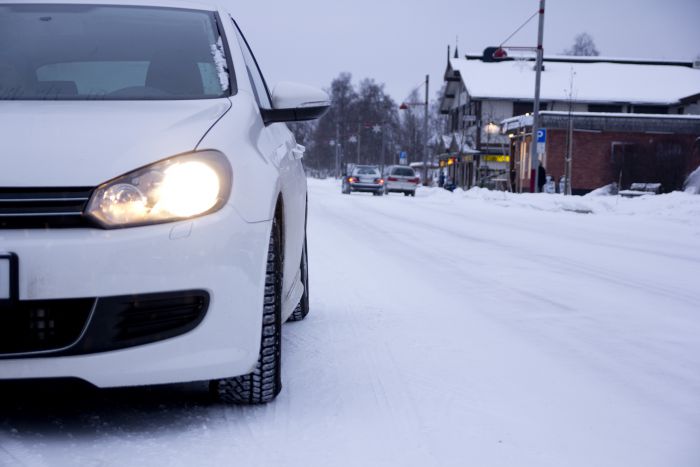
(534, 158)
(426, 150)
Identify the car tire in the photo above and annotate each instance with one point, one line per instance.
(406, 193)
(302, 308)
(413, 193)
(265, 382)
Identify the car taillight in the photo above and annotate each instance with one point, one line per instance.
(352, 180)
(414, 180)
(393, 179)
(379, 181)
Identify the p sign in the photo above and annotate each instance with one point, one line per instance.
(541, 140)
(542, 135)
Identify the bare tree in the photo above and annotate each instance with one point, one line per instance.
(583, 46)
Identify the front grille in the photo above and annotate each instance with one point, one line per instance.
(42, 208)
(155, 315)
(131, 320)
(43, 325)
(60, 327)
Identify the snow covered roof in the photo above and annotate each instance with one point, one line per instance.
(625, 122)
(457, 143)
(593, 82)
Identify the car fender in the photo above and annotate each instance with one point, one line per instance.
(242, 137)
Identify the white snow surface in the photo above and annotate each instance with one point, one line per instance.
(593, 82)
(217, 53)
(692, 183)
(472, 328)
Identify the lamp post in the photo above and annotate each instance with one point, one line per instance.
(405, 106)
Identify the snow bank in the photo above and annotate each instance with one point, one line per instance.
(676, 206)
(692, 184)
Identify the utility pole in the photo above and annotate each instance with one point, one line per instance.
(569, 157)
(569, 140)
(405, 106)
(383, 146)
(337, 149)
(534, 159)
(359, 141)
(425, 128)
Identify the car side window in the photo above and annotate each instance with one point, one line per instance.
(257, 80)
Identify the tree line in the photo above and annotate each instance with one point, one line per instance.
(365, 126)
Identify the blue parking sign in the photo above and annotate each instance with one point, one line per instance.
(541, 135)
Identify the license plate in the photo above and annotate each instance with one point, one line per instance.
(8, 277)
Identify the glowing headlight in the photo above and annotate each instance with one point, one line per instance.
(177, 188)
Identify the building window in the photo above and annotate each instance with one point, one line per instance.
(650, 109)
(522, 108)
(605, 108)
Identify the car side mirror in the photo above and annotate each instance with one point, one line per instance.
(294, 102)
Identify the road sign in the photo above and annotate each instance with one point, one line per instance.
(541, 141)
(541, 135)
(403, 158)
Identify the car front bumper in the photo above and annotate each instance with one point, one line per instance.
(220, 255)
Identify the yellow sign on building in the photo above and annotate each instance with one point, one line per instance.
(495, 158)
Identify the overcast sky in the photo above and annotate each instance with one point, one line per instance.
(397, 42)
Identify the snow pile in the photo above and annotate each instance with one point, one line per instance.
(692, 184)
(676, 206)
(607, 190)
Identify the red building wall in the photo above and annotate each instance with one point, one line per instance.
(648, 158)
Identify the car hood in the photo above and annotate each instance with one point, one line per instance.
(83, 144)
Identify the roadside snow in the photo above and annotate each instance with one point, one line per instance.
(692, 184)
(675, 207)
(469, 329)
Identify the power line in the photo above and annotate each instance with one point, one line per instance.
(521, 26)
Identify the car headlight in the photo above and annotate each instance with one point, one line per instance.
(177, 188)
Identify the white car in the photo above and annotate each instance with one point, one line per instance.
(152, 199)
(401, 179)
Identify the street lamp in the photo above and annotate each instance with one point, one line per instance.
(405, 106)
(335, 144)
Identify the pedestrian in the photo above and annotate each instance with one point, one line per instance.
(541, 178)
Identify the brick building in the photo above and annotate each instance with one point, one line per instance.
(607, 148)
(481, 91)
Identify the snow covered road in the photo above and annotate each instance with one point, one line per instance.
(477, 329)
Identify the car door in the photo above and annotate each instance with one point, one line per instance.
(286, 157)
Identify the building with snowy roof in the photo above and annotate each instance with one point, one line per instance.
(481, 92)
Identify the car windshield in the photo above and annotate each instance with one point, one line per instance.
(403, 172)
(91, 52)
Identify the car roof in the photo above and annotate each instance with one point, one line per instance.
(188, 4)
